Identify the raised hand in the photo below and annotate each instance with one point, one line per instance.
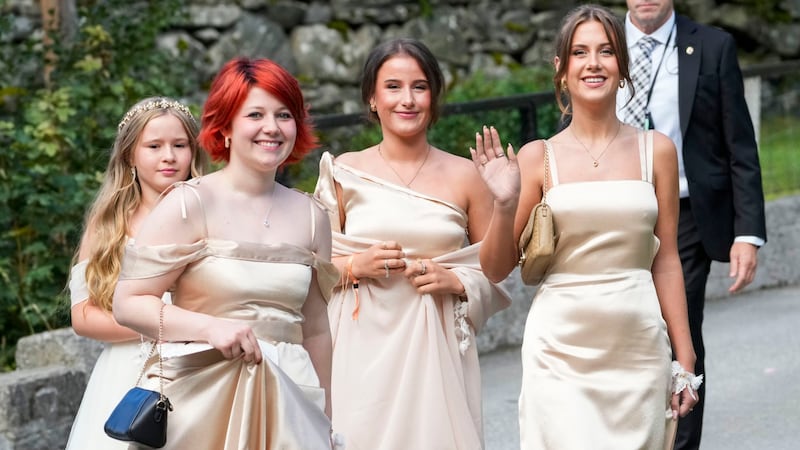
(499, 169)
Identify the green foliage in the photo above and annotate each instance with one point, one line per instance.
(456, 133)
(780, 163)
(55, 139)
(770, 11)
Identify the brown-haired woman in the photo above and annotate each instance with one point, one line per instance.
(596, 358)
(405, 215)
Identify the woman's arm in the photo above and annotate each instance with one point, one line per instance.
(93, 322)
(316, 328)
(666, 269)
(516, 184)
(137, 302)
(90, 320)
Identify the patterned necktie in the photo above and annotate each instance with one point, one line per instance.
(636, 109)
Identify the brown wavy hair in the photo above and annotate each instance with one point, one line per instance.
(615, 32)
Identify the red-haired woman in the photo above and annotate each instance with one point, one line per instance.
(248, 263)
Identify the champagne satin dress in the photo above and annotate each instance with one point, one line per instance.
(595, 354)
(230, 404)
(405, 366)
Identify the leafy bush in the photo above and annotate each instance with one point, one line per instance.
(56, 138)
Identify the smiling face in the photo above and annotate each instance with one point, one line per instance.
(592, 69)
(263, 131)
(402, 97)
(162, 155)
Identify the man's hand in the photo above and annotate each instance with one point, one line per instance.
(744, 260)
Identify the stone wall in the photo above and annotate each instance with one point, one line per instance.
(324, 43)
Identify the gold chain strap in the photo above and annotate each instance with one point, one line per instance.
(546, 171)
(152, 349)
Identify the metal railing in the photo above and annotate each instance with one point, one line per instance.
(527, 104)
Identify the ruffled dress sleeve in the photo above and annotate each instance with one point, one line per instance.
(325, 191)
(153, 261)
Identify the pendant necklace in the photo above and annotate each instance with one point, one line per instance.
(596, 161)
(408, 185)
(269, 208)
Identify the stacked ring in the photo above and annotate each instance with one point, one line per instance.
(424, 268)
(386, 267)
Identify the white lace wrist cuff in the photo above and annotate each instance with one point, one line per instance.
(681, 379)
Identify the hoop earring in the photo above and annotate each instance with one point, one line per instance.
(564, 85)
(621, 83)
(372, 107)
(227, 142)
(133, 173)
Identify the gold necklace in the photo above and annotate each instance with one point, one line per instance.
(596, 161)
(408, 185)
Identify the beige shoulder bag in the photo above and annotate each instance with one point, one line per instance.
(537, 242)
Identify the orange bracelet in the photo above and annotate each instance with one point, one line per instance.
(354, 281)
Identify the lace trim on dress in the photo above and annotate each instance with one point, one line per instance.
(463, 329)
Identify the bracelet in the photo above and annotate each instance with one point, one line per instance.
(352, 279)
(681, 379)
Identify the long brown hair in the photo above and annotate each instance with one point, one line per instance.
(615, 32)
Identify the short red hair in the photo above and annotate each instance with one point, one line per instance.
(229, 91)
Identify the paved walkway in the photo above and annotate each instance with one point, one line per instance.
(753, 365)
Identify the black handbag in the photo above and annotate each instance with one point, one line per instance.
(141, 415)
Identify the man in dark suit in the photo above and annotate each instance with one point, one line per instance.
(695, 95)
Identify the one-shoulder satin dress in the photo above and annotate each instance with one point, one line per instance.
(405, 369)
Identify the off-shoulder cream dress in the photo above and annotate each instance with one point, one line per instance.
(230, 404)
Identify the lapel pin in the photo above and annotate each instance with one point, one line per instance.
(689, 50)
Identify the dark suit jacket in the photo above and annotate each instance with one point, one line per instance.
(719, 148)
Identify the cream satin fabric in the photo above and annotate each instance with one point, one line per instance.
(596, 355)
(399, 378)
(229, 404)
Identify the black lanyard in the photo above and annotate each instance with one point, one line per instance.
(660, 61)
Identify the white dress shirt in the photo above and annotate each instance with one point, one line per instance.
(664, 98)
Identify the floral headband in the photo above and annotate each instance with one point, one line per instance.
(151, 105)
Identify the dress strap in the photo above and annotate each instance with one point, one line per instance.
(646, 154)
(553, 169)
(313, 218)
(184, 187)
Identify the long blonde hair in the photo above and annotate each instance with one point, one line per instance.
(120, 195)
